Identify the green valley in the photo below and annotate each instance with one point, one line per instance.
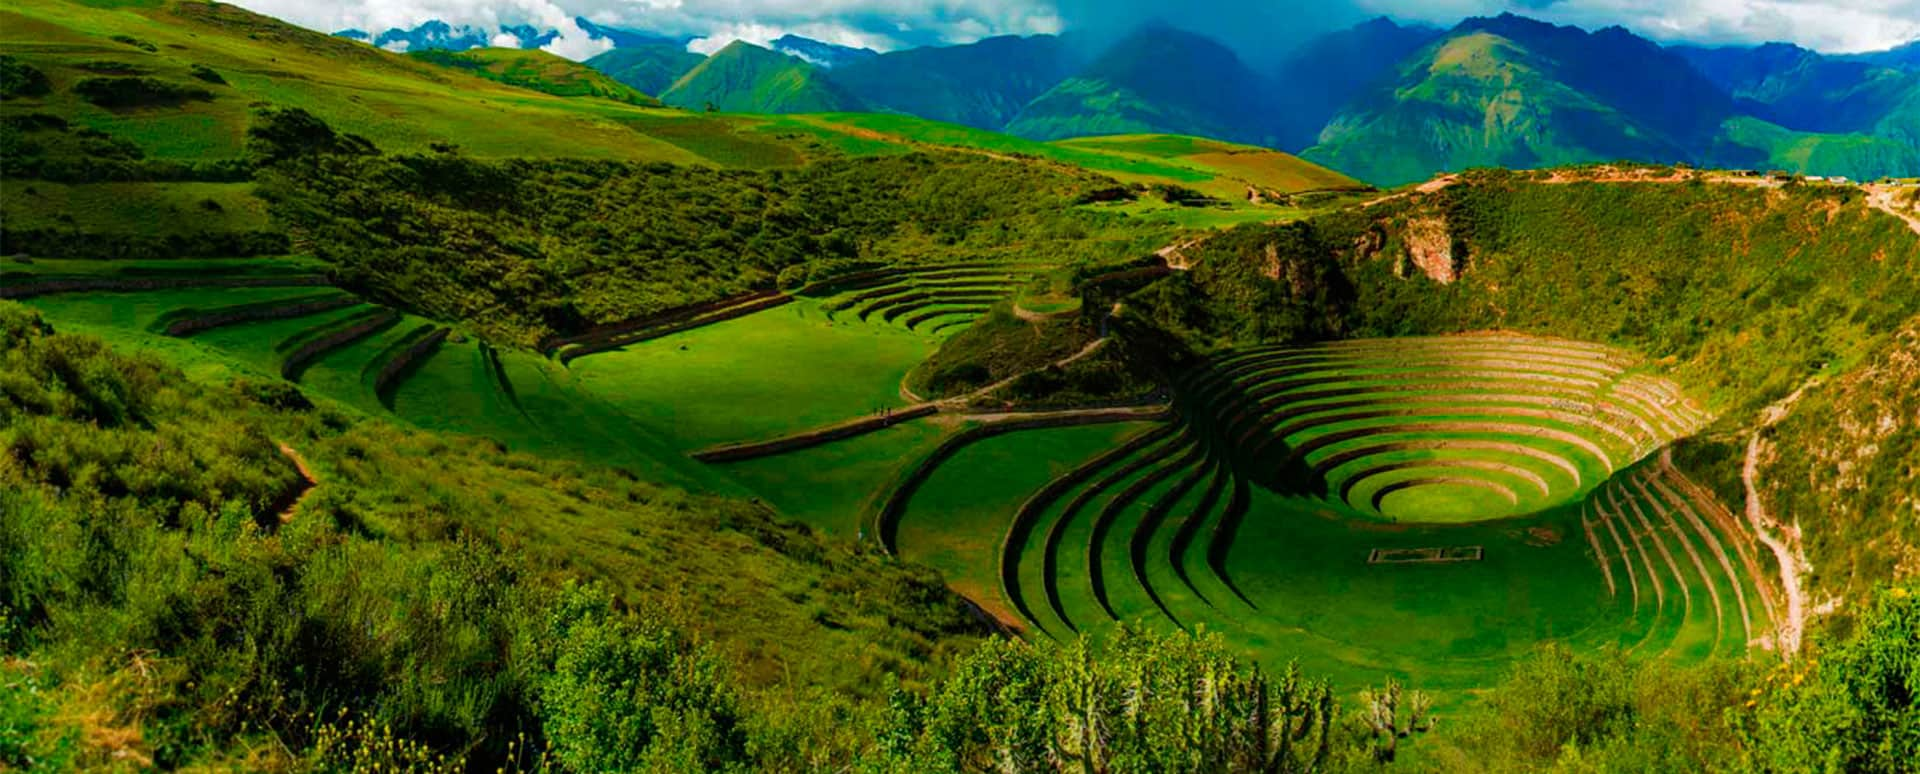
(1014, 405)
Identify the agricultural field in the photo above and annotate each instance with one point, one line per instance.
(378, 411)
(1427, 508)
(1472, 495)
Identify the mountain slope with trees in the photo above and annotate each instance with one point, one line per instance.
(1158, 80)
(650, 69)
(745, 78)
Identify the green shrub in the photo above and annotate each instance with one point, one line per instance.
(207, 74)
(138, 92)
(136, 43)
(629, 693)
(19, 79)
(1853, 706)
(29, 737)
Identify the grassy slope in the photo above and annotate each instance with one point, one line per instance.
(1478, 100)
(651, 69)
(702, 387)
(538, 70)
(400, 103)
(744, 78)
(389, 497)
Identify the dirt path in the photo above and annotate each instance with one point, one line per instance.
(307, 479)
(1430, 186)
(1785, 551)
(1175, 254)
(1883, 198)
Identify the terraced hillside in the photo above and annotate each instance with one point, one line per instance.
(933, 299)
(1426, 506)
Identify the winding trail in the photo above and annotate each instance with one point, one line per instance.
(307, 483)
(1791, 563)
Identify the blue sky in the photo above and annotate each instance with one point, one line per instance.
(1261, 30)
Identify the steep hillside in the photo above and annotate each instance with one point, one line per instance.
(650, 69)
(1513, 92)
(538, 70)
(1239, 170)
(1697, 276)
(196, 73)
(983, 84)
(1840, 473)
(1805, 91)
(745, 78)
(823, 54)
(1907, 56)
(1691, 274)
(1750, 143)
(1157, 80)
(1314, 83)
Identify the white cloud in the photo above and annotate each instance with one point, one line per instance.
(764, 35)
(1827, 25)
(1824, 25)
(877, 24)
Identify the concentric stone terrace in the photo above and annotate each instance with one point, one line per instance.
(1445, 429)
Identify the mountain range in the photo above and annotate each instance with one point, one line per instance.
(1384, 102)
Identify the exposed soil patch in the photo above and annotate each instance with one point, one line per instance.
(292, 500)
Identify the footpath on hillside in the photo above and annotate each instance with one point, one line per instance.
(291, 502)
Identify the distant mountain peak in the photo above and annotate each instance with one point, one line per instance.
(828, 55)
(436, 34)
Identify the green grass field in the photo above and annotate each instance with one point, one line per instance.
(1429, 509)
(700, 388)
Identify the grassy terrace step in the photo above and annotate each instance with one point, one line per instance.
(191, 320)
(746, 451)
(1604, 418)
(1066, 520)
(1141, 538)
(401, 358)
(678, 323)
(947, 323)
(1020, 529)
(915, 321)
(1104, 522)
(42, 285)
(303, 349)
(896, 312)
(617, 331)
(886, 521)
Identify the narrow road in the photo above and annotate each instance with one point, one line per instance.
(1791, 565)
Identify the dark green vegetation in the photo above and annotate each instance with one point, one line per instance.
(1517, 93)
(650, 69)
(439, 490)
(449, 234)
(392, 616)
(1383, 103)
(1158, 80)
(745, 78)
(539, 71)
